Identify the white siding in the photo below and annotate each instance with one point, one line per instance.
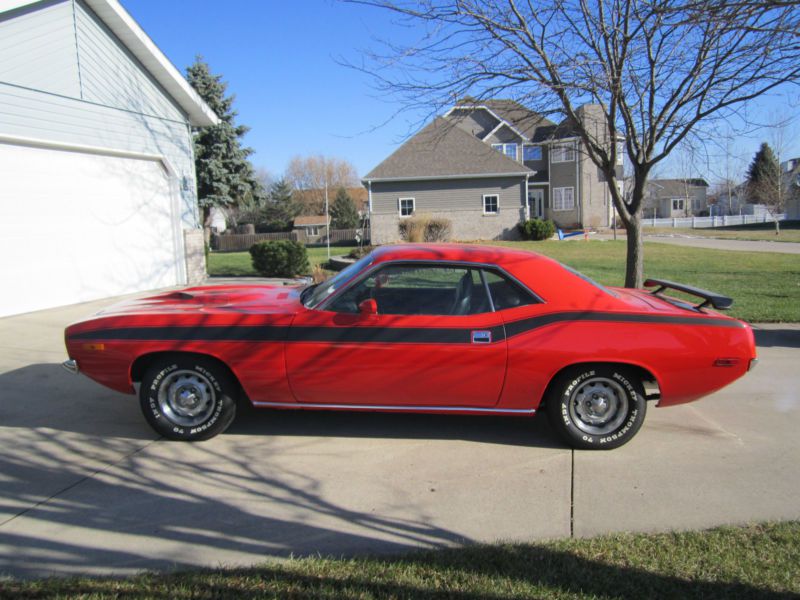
(111, 76)
(38, 50)
(31, 114)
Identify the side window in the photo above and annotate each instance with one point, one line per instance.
(418, 290)
(506, 293)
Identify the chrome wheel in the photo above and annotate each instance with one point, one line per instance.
(186, 398)
(598, 406)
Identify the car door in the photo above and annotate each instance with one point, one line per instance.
(435, 341)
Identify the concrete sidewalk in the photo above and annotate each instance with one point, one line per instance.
(86, 487)
(712, 243)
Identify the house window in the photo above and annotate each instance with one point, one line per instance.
(563, 198)
(563, 153)
(491, 204)
(677, 204)
(313, 230)
(620, 153)
(531, 152)
(406, 207)
(510, 150)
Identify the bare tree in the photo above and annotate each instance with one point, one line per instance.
(660, 69)
(310, 175)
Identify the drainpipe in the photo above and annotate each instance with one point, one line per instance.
(578, 198)
(527, 200)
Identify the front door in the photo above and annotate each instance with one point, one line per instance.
(433, 342)
(536, 204)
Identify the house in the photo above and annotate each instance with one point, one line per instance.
(98, 194)
(675, 198)
(487, 166)
(310, 228)
(790, 174)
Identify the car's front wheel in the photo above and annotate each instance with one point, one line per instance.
(188, 398)
(596, 406)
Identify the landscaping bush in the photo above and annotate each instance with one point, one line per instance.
(360, 251)
(537, 229)
(279, 258)
(438, 230)
(425, 229)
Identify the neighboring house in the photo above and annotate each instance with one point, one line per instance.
(790, 171)
(97, 180)
(674, 198)
(486, 167)
(310, 228)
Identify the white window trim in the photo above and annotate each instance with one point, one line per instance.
(557, 151)
(400, 207)
(541, 151)
(501, 148)
(485, 196)
(555, 193)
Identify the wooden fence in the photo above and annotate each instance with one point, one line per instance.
(238, 242)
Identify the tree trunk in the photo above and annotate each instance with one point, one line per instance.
(634, 267)
(206, 212)
(777, 226)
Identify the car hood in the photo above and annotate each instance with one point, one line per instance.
(214, 299)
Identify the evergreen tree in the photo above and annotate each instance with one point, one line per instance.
(763, 177)
(343, 212)
(225, 176)
(280, 208)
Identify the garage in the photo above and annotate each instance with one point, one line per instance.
(78, 226)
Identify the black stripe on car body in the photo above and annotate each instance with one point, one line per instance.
(389, 335)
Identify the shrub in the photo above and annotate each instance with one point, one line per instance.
(279, 258)
(438, 230)
(360, 251)
(425, 229)
(537, 229)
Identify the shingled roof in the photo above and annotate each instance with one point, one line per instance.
(531, 124)
(443, 150)
(669, 188)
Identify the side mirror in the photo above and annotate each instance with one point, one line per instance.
(368, 307)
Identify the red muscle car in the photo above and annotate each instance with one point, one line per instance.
(426, 328)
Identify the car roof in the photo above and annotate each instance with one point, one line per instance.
(495, 255)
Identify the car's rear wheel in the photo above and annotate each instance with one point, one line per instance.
(188, 398)
(596, 406)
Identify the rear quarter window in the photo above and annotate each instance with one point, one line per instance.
(507, 293)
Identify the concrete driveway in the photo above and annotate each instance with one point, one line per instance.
(86, 487)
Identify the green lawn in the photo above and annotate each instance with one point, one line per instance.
(765, 286)
(760, 561)
(790, 232)
(238, 264)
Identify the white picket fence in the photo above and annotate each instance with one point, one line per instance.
(721, 221)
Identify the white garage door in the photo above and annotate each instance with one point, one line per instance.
(77, 227)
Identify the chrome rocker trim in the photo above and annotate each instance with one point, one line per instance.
(443, 409)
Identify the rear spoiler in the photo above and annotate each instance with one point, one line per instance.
(715, 300)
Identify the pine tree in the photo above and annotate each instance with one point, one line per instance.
(343, 212)
(225, 176)
(280, 208)
(763, 176)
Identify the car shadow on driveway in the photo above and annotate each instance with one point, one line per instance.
(46, 396)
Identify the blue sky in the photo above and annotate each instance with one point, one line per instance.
(279, 60)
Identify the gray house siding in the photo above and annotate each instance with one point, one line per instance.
(141, 118)
(505, 135)
(563, 175)
(38, 49)
(459, 200)
(477, 122)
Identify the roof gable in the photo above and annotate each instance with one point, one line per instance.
(443, 150)
(128, 32)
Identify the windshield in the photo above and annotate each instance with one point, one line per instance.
(316, 294)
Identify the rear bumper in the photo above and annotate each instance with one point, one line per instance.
(71, 366)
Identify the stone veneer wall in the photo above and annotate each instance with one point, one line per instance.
(194, 247)
(466, 226)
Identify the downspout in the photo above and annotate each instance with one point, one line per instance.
(526, 200)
